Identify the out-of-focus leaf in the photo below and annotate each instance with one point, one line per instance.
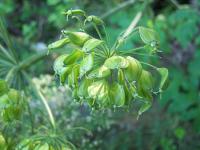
(3, 87)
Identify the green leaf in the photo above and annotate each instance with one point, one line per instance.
(144, 108)
(86, 64)
(59, 64)
(148, 35)
(59, 43)
(134, 69)
(3, 87)
(100, 72)
(164, 76)
(73, 57)
(117, 94)
(116, 62)
(91, 44)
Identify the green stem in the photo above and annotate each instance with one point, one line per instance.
(148, 65)
(42, 98)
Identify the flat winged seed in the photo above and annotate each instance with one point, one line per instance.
(91, 44)
(116, 62)
(59, 43)
(148, 35)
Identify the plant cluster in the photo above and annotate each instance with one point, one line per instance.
(104, 76)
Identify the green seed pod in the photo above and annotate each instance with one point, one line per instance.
(100, 72)
(121, 79)
(73, 57)
(134, 69)
(3, 87)
(82, 90)
(145, 85)
(65, 71)
(59, 64)
(146, 80)
(74, 12)
(77, 38)
(116, 62)
(59, 43)
(96, 20)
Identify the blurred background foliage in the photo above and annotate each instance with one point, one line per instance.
(173, 123)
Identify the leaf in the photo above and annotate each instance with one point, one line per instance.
(73, 57)
(91, 44)
(144, 108)
(3, 87)
(100, 72)
(86, 64)
(164, 76)
(117, 94)
(59, 64)
(116, 62)
(148, 35)
(134, 69)
(59, 43)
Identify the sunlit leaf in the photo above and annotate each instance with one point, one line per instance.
(91, 44)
